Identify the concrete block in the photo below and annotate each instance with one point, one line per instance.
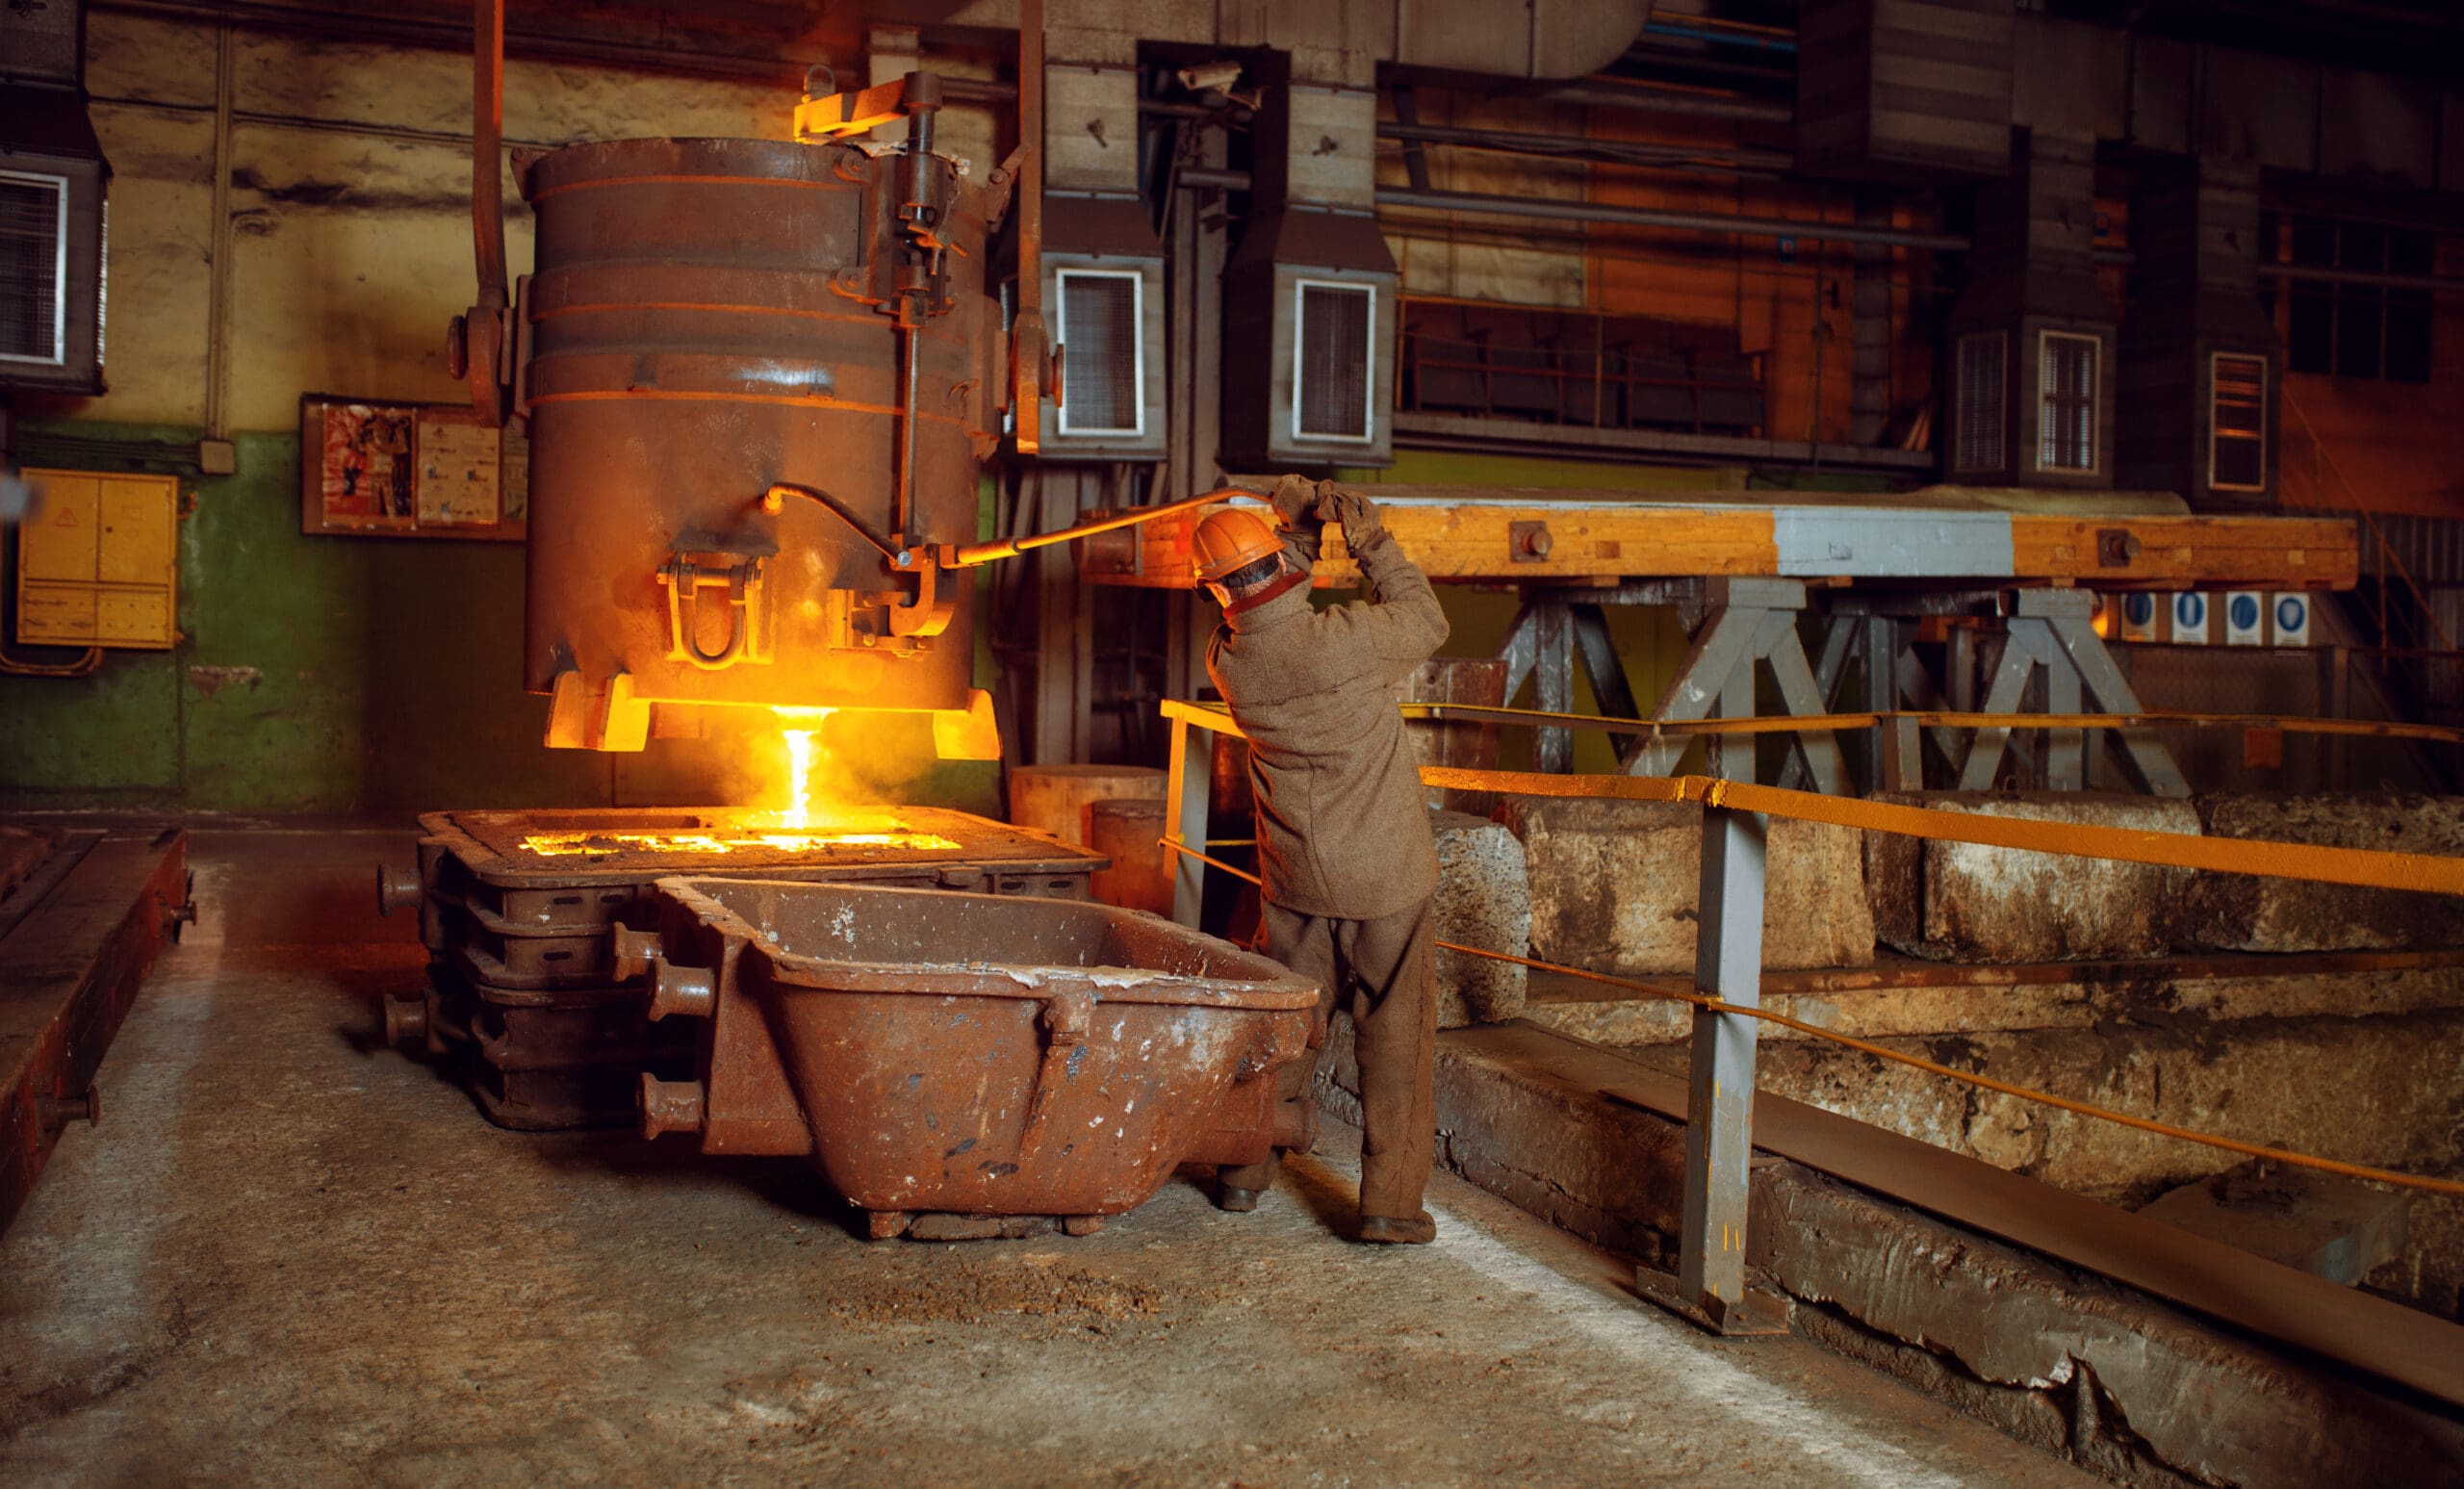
(2369, 1091)
(2083, 1369)
(1961, 902)
(1614, 886)
(1054, 798)
(2337, 1229)
(2247, 913)
(1483, 900)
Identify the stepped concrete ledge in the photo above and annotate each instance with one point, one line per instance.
(2135, 1388)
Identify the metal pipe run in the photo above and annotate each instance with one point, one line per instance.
(968, 554)
(1619, 151)
(1782, 227)
(1646, 216)
(2378, 279)
(1646, 99)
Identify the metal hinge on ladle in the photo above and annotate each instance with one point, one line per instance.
(686, 580)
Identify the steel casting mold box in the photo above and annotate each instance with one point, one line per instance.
(967, 1055)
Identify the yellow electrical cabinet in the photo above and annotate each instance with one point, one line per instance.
(98, 561)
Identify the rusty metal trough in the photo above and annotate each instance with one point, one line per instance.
(952, 1061)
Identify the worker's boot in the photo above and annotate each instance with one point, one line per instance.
(1392, 1230)
(1238, 1190)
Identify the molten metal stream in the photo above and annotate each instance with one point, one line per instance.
(800, 827)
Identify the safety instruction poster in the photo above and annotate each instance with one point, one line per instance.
(460, 472)
(374, 468)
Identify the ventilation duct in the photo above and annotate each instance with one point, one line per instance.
(1309, 293)
(52, 176)
(2033, 334)
(1101, 264)
(2200, 355)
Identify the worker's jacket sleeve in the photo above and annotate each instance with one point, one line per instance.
(1403, 623)
(1342, 823)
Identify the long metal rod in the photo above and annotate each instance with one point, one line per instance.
(970, 554)
(218, 314)
(487, 157)
(536, 38)
(1786, 227)
(1646, 99)
(1580, 146)
(2304, 273)
(1648, 217)
(1028, 391)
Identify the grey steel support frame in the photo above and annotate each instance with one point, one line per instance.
(1540, 646)
(1560, 626)
(2050, 632)
(1746, 622)
(1892, 679)
(1709, 1286)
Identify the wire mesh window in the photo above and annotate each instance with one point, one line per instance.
(2237, 421)
(2066, 401)
(1331, 360)
(1976, 423)
(2360, 330)
(1103, 369)
(34, 229)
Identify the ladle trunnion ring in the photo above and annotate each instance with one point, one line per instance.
(957, 1061)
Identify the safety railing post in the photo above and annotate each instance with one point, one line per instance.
(1719, 1129)
(1186, 792)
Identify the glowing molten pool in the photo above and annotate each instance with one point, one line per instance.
(751, 836)
(800, 827)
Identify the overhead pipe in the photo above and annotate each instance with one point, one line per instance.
(1787, 227)
(1642, 98)
(1649, 217)
(1030, 376)
(1722, 36)
(1615, 151)
(1637, 217)
(2370, 278)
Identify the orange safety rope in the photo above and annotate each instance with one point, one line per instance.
(1793, 724)
(1972, 1078)
(2367, 867)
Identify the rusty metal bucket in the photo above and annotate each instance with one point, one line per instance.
(967, 1054)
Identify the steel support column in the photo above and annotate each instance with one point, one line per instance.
(1709, 1286)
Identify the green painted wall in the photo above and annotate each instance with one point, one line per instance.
(350, 674)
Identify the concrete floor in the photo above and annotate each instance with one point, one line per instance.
(294, 1255)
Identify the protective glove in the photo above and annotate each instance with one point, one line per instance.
(1298, 506)
(1359, 519)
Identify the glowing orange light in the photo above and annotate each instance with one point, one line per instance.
(810, 821)
(554, 845)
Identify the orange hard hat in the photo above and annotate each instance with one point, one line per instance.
(1230, 540)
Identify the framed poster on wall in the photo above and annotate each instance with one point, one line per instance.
(379, 469)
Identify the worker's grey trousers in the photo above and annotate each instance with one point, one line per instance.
(1383, 972)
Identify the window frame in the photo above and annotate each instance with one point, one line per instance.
(2335, 300)
(59, 269)
(1961, 401)
(2216, 361)
(1300, 288)
(2047, 404)
(1137, 428)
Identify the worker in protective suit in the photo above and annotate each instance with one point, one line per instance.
(1347, 860)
